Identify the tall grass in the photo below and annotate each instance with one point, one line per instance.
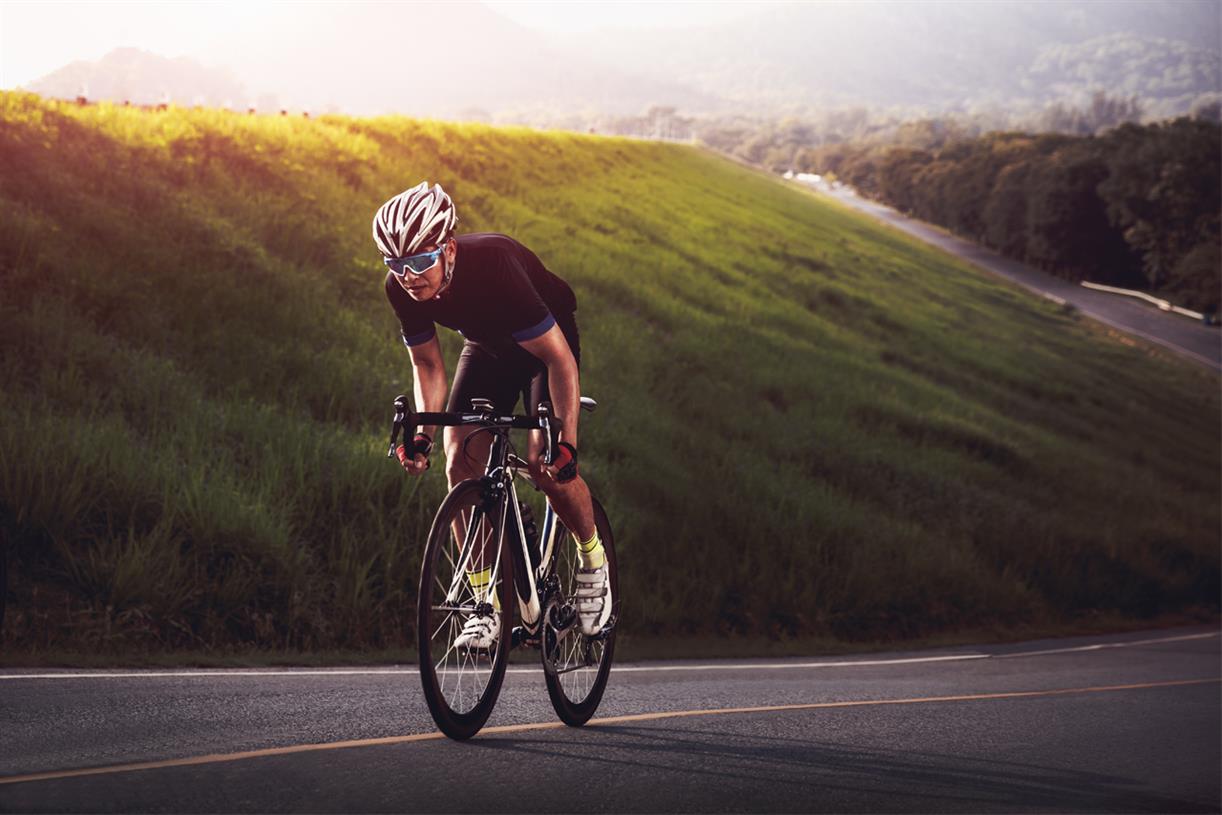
(811, 425)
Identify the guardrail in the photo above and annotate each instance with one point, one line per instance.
(1163, 305)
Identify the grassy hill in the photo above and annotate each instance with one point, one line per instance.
(812, 427)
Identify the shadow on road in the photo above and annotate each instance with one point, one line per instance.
(648, 768)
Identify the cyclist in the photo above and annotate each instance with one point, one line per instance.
(517, 321)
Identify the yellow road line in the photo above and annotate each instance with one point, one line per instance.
(218, 758)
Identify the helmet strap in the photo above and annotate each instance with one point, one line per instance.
(447, 277)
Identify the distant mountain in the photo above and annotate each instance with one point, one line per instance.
(463, 60)
(143, 78)
(438, 59)
(935, 54)
(424, 59)
(1168, 74)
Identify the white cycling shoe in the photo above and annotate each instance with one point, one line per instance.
(593, 598)
(479, 632)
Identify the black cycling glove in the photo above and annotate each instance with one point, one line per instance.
(565, 462)
(421, 444)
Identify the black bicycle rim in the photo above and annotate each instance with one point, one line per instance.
(576, 694)
(460, 686)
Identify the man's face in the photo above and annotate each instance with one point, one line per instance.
(426, 285)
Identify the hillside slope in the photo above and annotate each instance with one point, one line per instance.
(811, 426)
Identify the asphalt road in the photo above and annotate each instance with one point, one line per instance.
(1176, 332)
(1122, 723)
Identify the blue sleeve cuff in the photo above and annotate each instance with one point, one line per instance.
(537, 330)
(419, 339)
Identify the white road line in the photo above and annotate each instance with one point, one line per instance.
(780, 665)
(216, 672)
(413, 670)
(1102, 645)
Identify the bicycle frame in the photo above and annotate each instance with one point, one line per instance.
(499, 475)
(462, 675)
(502, 468)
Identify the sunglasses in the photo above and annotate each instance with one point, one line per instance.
(416, 264)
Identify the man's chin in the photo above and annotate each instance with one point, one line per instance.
(418, 293)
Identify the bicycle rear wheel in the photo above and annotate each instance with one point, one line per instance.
(461, 684)
(576, 667)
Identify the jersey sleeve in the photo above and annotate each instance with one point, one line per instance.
(526, 313)
(414, 327)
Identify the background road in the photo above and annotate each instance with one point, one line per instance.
(1179, 333)
(1123, 723)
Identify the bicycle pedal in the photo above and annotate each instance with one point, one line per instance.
(605, 631)
(523, 637)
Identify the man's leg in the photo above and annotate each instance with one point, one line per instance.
(467, 455)
(460, 467)
(461, 463)
(571, 500)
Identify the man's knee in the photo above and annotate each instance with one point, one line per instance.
(538, 472)
(550, 486)
(463, 460)
(457, 471)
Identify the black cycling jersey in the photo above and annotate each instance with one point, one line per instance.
(500, 294)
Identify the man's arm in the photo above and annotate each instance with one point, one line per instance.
(429, 384)
(562, 380)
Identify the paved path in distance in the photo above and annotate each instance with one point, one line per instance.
(1176, 332)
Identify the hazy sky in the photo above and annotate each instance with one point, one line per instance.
(38, 37)
(574, 15)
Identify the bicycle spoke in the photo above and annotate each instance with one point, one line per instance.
(578, 664)
(466, 542)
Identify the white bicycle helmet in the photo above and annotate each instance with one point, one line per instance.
(414, 218)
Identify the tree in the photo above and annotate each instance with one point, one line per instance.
(1067, 224)
(1164, 190)
(897, 176)
(1005, 213)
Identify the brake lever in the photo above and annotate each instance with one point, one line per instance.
(551, 427)
(545, 424)
(401, 411)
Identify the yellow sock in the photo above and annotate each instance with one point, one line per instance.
(479, 584)
(591, 552)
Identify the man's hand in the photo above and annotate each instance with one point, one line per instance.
(415, 457)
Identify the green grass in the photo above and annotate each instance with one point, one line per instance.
(813, 429)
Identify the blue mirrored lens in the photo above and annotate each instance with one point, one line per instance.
(416, 264)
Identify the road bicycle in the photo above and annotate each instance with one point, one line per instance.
(481, 526)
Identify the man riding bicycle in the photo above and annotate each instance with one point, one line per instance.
(517, 320)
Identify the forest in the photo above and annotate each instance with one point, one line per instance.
(1137, 206)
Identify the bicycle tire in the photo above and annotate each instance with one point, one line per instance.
(437, 621)
(576, 695)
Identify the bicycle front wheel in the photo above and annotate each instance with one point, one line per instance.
(576, 667)
(465, 576)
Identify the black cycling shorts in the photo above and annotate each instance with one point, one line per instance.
(503, 375)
